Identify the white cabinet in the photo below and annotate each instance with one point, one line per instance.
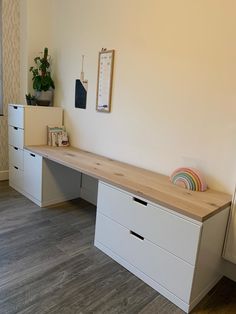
(16, 177)
(16, 144)
(16, 156)
(33, 174)
(28, 126)
(176, 255)
(42, 181)
(47, 182)
(160, 226)
(16, 136)
(146, 256)
(16, 116)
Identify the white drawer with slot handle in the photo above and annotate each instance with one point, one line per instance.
(16, 177)
(16, 116)
(33, 174)
(169, 231)
(166, 269)
(16, 157)
(16, 137)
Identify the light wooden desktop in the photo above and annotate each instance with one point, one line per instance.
(150, 185)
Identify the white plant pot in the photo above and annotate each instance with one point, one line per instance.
(44, 98)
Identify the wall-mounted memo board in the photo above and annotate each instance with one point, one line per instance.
(104, 83)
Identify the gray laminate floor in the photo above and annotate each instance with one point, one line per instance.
(48, 264)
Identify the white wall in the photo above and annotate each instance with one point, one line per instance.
(174, 82)
(174, 89)
(35, 32)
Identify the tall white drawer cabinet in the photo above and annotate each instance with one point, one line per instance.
(28, 126)
(176, 255)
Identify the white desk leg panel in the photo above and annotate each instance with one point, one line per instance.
(60, 183)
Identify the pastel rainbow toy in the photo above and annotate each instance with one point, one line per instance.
(189, 178)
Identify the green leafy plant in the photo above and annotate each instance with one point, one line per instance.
(42, 80)
(31, 100)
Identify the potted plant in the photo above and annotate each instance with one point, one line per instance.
(30, 99)
(43, 83)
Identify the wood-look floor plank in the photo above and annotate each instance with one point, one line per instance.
(53, 284)
(129, 297)
(48, 265)
(163, 305)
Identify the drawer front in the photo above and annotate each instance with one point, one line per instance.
(16, 177)
(16, 157)
(16, 137)
(33, 174)
(16, 116)
(163, 267)
(161, 227)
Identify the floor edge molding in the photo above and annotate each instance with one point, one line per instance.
(4, 175)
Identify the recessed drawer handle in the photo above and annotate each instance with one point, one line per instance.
(137, 200)
(16, 167)
(33, 155)
(16, 148)
(15, 128)
(15, 107)
(136, 235)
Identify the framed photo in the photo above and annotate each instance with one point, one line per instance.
(104, 82)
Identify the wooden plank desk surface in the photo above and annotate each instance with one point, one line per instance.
(150, 185)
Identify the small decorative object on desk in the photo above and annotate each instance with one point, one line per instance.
(63, 139)
(57, 136)
(189, 178)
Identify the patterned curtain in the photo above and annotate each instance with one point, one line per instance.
(1, 83)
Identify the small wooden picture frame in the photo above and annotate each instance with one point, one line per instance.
(104, 81)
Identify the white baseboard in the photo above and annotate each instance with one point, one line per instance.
(229, 270)
(4, 175)
(204, 292)
(58, 200)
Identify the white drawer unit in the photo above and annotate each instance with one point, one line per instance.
(27, 125)
(16, 116)
(47, 182)
(33, 174)
(159, 226)
(16, 157)
(176, 255)
(42, 181)
(146, 256)
(16, 177)
(16, 137)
